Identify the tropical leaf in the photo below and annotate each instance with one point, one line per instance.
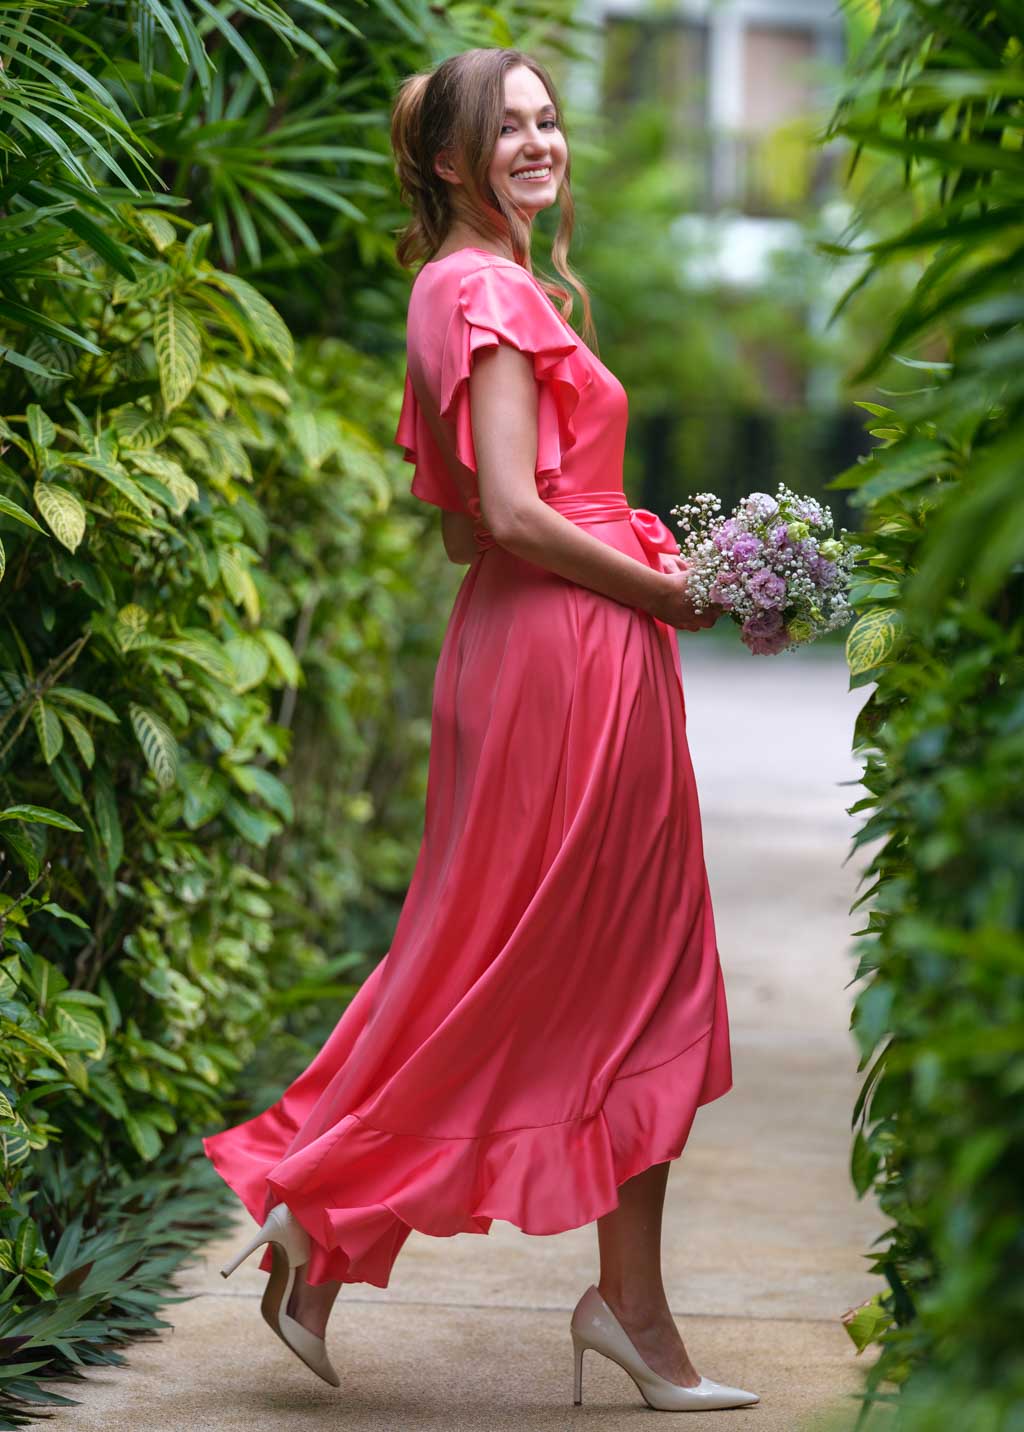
(138, 429)
(254, 780)
(11, 509)
(40, 428)
(178, 343)
(48, 730)
(85, 701)
(108, 823)
(132, 621)
(873, 639)
(317, 435)
(63, 511)
(205, 792)
(157, 741)
(281, 653)
(80, 736)
(80, 1029)
(113, 475)
(250, 661)
(266, 325)
(173, 476)
(143, 1134)
(206, 652)
(159, 228)
(39, 815)
(239, 583)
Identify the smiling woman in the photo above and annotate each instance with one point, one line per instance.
(551, 1012)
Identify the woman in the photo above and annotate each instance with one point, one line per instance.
(551, 1012)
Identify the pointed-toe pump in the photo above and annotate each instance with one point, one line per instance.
(595, 1326)
(289, 1246)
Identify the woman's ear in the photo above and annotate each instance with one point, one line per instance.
(444, 167)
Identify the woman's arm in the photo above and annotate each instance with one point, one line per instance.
(503, 409)
(457, 534)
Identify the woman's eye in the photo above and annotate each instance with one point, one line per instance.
(553, 123)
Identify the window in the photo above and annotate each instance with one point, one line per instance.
(663, 61)
(777, 165)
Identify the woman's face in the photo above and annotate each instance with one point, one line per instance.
(529, 140)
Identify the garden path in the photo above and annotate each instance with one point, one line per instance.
(765, 1241)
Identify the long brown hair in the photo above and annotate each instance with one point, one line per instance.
(460, 106)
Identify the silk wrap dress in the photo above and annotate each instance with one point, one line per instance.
(551, 1011)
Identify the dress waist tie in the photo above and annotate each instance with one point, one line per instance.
(587, 509)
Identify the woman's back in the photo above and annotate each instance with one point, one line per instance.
(471, 300)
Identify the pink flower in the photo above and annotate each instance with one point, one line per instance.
(765, 633)
(767, 589)
(726, 534)
(746, 547)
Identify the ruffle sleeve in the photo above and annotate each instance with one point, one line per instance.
(501, 303)
(432, 481)
(496, 303)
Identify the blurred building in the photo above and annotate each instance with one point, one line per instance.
(733, 72)
(745, 83)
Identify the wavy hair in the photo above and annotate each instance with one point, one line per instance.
(460, 106)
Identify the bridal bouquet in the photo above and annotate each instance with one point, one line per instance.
(774, 564)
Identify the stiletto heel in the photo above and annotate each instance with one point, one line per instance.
(258, 1238)
(289, 1246)
(594, 1325)
(578, 1348)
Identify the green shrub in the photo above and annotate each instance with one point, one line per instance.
(939, 1017)
(215, 651)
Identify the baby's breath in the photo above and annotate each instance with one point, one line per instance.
(774, 563)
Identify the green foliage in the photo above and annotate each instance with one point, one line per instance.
(939, 1017)
(215, 655)
(114, 1247)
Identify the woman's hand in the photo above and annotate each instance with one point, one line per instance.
(673, 604)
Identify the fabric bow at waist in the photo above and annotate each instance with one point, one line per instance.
(588, 508)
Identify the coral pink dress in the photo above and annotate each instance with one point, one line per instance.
(551, 1011)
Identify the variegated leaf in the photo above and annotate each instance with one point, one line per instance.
(179, 345)
(132, 621)
(85, 1028)
(266, 324)
(250, 660)
(158, 743)
(63, 510)
(872, 639)
(159, 228)
(174, 477)
(136, 428)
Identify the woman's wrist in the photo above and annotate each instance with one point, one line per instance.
(657, 589)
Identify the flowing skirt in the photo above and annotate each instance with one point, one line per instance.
(551, 1011)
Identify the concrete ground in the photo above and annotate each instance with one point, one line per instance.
(765, 1243)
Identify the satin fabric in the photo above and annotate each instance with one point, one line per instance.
(551, 1011)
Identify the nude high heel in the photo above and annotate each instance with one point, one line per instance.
(289, 1245)
(595, 1326)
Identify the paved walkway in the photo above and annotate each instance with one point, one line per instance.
(765, 1242)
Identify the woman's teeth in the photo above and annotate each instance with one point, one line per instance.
(535, 174)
